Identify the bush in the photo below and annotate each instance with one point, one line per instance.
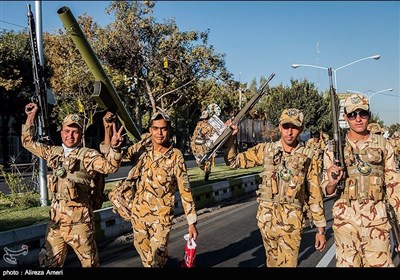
(22, 193)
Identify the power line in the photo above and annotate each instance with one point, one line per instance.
(12, 23)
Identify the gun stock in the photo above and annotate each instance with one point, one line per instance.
(338, 153)
(40, 96)
(236, 121)
(104, 92)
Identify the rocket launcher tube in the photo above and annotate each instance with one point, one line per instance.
(105, 89)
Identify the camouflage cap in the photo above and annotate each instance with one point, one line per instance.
(356, 101)
(375, 128)
(160, 115)
(73, 119)
(293, 116)
(204, 115)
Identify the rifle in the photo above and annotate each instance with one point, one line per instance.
(40, 96)
(393, 222)
(227, 132)
(338, 153)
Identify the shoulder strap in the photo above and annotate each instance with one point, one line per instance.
(81, 153)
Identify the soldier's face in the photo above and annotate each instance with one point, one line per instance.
(289, 133)
(159, 130)
(71, 135)
(358, 121)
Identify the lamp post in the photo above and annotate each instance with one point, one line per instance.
(376, 57)
(370, 95)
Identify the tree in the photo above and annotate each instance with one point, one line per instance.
(16, 83)
(301, 95)
(71, 80)
(163, 63)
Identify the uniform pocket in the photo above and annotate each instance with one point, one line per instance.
(375, 188)
(352, 185)
(374, 155)
(52, 182)
(70, 185)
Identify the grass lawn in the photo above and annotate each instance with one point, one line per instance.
(12, 217)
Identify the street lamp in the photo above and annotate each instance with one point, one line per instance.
(376, 57)
(370, 95)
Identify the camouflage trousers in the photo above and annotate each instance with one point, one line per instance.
(79, 236)
(362, 234)
(281, 226)
(151, 240)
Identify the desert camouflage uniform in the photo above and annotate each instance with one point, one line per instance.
(282, 197)
(375, 128)
(71, 214)
(318, 148)
(201, 135)
(159, 175)
(360, 225)
(395, 141)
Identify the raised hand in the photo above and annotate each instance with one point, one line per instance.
(117, 137)
(108, 119)
(31, 108)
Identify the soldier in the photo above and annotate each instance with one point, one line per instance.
(317, 144)
(201, 135)
(361, 224)
(159, 170)
(71, 214)
(289, 183)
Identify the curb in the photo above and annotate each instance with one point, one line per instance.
(110, 225)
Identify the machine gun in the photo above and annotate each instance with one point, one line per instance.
(227, 131)
(40, 96)
(337, 142)
(104, 92)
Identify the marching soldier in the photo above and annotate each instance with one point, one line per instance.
(289, 184)
(71, 213)
(201, 135)
(159, 171)
(361, 226)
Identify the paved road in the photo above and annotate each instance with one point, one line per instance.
(228, 237)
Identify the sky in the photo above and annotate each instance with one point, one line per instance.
(263, 37)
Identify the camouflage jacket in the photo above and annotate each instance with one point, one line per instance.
(317, 147)
(369, 186)
(301, 188)
(201, 135)
(71, 178)
(159, 177)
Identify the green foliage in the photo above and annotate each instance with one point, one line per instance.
(22, 191)
(394, 128)
(300, 95)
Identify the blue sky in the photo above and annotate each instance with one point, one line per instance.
(264, 37)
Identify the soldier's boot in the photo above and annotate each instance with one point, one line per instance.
(207, 175)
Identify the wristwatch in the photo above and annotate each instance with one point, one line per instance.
(321, 232)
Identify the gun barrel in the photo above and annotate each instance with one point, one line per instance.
(75, 33)
(236, 121)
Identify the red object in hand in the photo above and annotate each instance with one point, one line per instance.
(189, 254)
